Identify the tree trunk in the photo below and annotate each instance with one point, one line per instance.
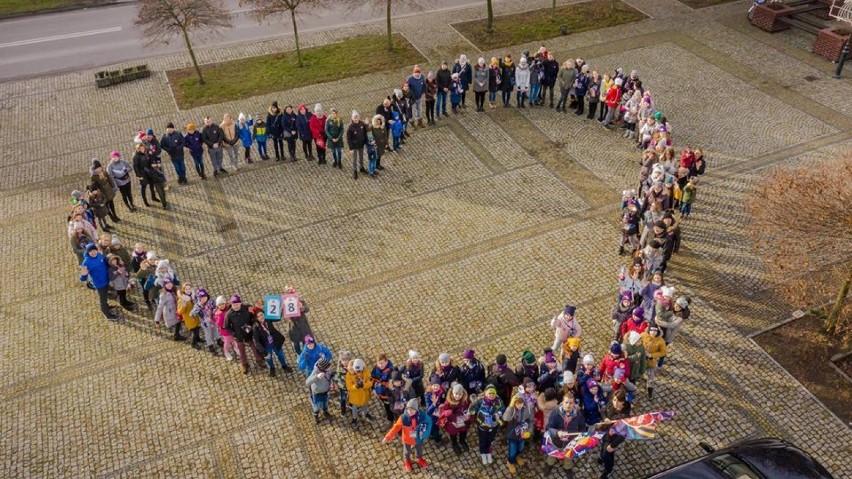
(192, 55)
(553, 10)
(832, 322)
(296, 37)
(390, 35)
(489, 28)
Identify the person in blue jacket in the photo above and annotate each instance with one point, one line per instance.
(244, 127)
(311, 354)
(303, 118)
(95, 269)
(397, 129)
(195, 144)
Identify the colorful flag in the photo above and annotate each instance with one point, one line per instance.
(575, 448)
(643, 426)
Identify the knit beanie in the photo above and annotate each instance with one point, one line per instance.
(413, 403)
(501, 359)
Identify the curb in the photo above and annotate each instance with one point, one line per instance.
(68, 8)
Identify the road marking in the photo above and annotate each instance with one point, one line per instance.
(60, 37)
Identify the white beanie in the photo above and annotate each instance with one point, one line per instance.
(318, 108)
(220, 300)
(683, 302)
(458, 389)
(241, 117)
(358, 365)
(151, 256)
(355, 114)
(668, 291)
(412, 354)
(444, 358)
(588, 360)
(567, 377)
(115, 240)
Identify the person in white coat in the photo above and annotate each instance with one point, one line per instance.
(522, 82)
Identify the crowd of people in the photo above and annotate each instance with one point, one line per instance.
(559, 392)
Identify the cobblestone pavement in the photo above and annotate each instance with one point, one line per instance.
(472, 238)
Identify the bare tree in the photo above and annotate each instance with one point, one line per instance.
(161, 20)
(553, 10)
(263, 9)
(489, 27)
(801, 227)
(388, 5)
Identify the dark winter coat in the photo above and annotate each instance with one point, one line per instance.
(194, 143)
(356, 135)
(473, 377)
(239, 324)
(173, 144)
(274, 123)
(465, 74)
(551, 70)
(303, 126)
(212, 135)
(263, 336)
(444, 78)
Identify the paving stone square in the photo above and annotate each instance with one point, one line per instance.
(473, 237)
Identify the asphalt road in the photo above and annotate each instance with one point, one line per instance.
(67, 41)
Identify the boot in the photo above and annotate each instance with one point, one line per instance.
(407, 465)
(272, 372)
(316, 417)
(354, 174)
(464, 446)
(547, 469)
(650, 393)
(484, 459)
(520, 460)
(212, 350)
(457, 449)
(512, 468)
(490, 458)
(292, 158)
(422, 463)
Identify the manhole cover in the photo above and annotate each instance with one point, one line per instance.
(811, 78)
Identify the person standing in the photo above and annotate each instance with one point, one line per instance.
(444, 80)
(231, 138)
(536, 75)
(565, 80)
(507, 74)
(317, 127)
(290, 133)
(563, 425)
(551, 71)
(258, 132)
(488, 413)
(463, 68)
(303, 119)
(519, 426)
(119, 170)
(522, 83)
(213, 137)
(581, 85)
(195, 144)
(356, 139)
(312, 353)
(107, 185)
(238, 322)
(319, 382)
(275, 128)
(494, 81)
(609, 443)
(431, 92)
(95, 270)
(244, 132)
(480, 83)
(417, 84)
(157, 179)
(140, 163)
(334, 132)
(172, 141)
(415, 426)
(267, 338)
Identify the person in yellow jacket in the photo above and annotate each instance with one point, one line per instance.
(655, 351)
(185, 303)
(359, 387)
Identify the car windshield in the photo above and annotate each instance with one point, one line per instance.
(733, 468)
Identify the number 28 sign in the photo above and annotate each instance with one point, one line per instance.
(276, 306)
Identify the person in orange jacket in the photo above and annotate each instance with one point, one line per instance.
(415, 426)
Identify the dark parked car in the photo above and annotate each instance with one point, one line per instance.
(752, 459)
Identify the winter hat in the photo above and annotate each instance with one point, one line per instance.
(615, 348)
(588, 360)
(396, 375)
(501, 359)
(170, 125)
(318, 108)
(241, 117)
(430, 75)
(669, 180)
(111, 257)
(115, 241)
(236, 299)
(412, 355)
(149, 132)
(444, 358)
(355, 114)
(528, 382)
(151, 256)
(77, 194)
(397, 92)
(654, 328)
(633, 337)
(115, 154)
(309, 339)
(458, 389)
(527, 357)
(490, 387)
(570, 309)
(416, 69)
(683, 302)
(90, 247)
(568, 377)
(220, 300)
(201, 293)
(413, 403)
(549, 357)
(659, 224)
(96, 163)
(668, 291)
(468, 354)
(434, 380)
(190, 126)
(628, 295)
(591, 383)
(168, 285)
(573, 343)
(619, 82)
(639, 312)
(358, 365)
(344, 355)
(658, 115)
(322, 363)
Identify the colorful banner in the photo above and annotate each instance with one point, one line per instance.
(578, 446)
(641, 427)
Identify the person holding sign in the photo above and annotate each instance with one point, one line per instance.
(297, 314)
(562, 426)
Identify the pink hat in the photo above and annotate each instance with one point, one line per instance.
(115, 154)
